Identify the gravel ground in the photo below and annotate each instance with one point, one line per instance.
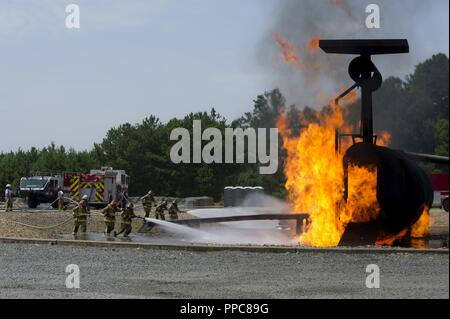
(38, 271)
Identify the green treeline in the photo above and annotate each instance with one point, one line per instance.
(414, 111)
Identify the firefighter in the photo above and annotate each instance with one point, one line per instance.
(173, 210)
(61, 200)
(121, 197)
(80, 214)
(8, 198)
(125, 198)
(147, 202)
(159, 210)
(109, 214)
(127, 218)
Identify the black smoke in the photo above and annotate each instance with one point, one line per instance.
(423, 23)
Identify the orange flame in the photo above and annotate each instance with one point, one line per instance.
(315, 178)
(362, 204)
(314, 174)
(422, 227)
(289, 53)
(313, 45)
(351, 98)
(314, 169)
(389, 240)
(384, 138)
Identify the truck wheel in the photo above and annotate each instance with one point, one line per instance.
(445, 204)
(32, 203)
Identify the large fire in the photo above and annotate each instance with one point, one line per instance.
(314, 175)
(314, 170)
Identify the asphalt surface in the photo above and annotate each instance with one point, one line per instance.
(38, 271)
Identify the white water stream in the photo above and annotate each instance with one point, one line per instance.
(241, 232)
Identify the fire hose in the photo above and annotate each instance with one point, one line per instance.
(62, 223)
(44, 227)
(21, 209)
(48, 227)
(41, 227)
(51, 205)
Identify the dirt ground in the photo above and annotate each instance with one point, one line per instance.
(9, 226)
(439, 221)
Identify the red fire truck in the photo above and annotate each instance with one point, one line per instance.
(100, 186)
(440, 187)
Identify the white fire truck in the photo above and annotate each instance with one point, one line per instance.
(100, 185)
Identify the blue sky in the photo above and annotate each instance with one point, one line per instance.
(128, 60)
(131, 59)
